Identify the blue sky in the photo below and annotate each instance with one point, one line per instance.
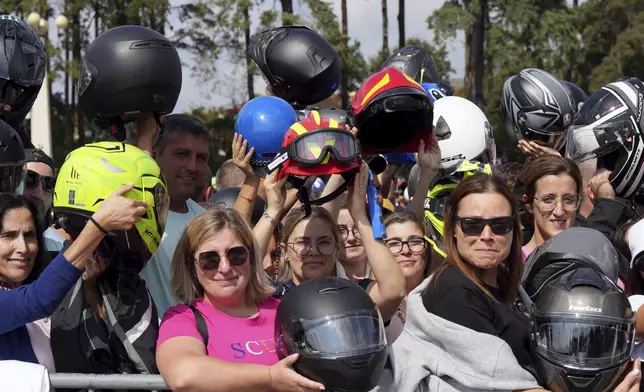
(364, 25)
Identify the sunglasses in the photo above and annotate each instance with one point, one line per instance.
(237, 255)
(33, 179)
(474, 226)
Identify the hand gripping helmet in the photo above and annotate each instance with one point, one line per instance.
(415, 62)
(317, 146)
(535, 106)
(12, 160)
(89, 175)
(436, 201)
(125, 71)
(577, 95)
(463, 132)
(582, 332)
(337, 330)
(226, 198)
(392, 112)
(262, 122)
(298, 64)
(607, 134)
(22, 69)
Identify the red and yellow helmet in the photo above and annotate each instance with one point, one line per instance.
(392, 112)
(317, 146)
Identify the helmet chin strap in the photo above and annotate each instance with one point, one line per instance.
(303, 192)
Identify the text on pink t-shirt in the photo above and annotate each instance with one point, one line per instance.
(249, 340)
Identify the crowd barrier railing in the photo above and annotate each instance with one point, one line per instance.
(91, 382)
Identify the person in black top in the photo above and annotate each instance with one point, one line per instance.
(477, 285)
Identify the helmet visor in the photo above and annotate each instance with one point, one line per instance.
(161, 206)
(349, 334)
(12, 179)
(314, 148)
(588, 142)
(584, 342)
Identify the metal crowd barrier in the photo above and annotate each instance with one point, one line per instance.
(145, 382)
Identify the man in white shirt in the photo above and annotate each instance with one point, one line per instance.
(182, 154)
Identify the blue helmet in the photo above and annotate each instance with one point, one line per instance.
(263, 121)
(438, 90)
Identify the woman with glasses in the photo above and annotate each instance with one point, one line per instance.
(311, 244)
(552, 196)
(406, 241)
(223, 335)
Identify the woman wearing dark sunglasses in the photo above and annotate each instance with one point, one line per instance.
(224, 334)
(461, 318)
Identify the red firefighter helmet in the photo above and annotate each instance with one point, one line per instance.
(317, 146)
(392, 112)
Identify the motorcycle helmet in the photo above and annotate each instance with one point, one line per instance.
(22, 69)
(463, 132)
(392, 112)
(415, 62)
(535, 106)
(226, 198)
(575, 247)
(336, 114)
(412, 180)
(607, 134)
(317, 146)
(438, 194)
(577, 95)
(89, 175)
(262, 122)
(438, 90)
(12, 160)
(125, 71)
(582, 332)
(299, 65)
(338, 332)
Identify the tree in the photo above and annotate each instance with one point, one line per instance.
(344, 90)
(385, 28)
(401, 23)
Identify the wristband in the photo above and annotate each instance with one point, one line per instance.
(248, 199)
(91, 219)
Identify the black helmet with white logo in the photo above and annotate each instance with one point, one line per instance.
(582, 330)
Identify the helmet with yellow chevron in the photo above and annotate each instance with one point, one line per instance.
(317, 146)
(436, 202)
(392, 112)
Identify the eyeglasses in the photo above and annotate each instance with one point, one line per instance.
(416, 245)
(303, 246)
(344, 232)
(474, 226)
(237, 255)
(32, 179)
(568, 202)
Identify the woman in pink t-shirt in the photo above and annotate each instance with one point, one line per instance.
(217, 273)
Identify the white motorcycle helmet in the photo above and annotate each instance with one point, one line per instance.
(463, 131)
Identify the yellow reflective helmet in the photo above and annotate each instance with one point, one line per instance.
(436, 201)
(89, 175)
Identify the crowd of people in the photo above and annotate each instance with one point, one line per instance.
(314, 263)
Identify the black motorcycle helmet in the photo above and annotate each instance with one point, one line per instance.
(299, 65)
(414, 62)
(577, 95)
(22, 68)
(582, 332)
(225, 198)
(535, 106)
(12, 160)
(337, 330)
(125, 71)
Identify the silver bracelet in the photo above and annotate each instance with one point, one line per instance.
(270, 219)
